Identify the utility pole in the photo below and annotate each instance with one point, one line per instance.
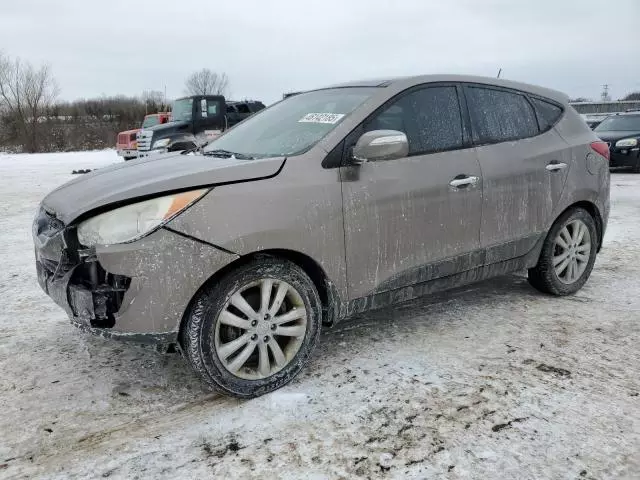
(604, 96)
(499, 72)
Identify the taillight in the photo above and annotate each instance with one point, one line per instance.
(602, 148)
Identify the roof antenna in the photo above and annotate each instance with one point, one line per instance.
(499, 72)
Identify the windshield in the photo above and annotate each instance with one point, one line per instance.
(620, 123)
(150, 121)
(182, 110)
(292, 126)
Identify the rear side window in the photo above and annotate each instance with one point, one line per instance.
(547, 113)
(498, 115)
(430, 117)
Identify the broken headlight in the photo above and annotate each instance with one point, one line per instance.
(129, 223)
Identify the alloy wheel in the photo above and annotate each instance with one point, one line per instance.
(260, 329)
(571, 252)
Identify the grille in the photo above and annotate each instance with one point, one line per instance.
(144, 140)
(122, 138)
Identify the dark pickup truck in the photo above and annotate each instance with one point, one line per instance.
(194, 121)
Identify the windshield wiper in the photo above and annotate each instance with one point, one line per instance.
(227, 154)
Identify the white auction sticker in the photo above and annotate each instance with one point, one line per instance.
(321, 118)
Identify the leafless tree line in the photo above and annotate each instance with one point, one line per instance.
(33, 120)
(25, 93)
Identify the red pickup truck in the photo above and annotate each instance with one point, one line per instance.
(126, 143)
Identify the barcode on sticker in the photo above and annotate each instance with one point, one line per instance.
(321, 118)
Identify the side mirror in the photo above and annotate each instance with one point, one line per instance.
(203, 108)
(380, 145)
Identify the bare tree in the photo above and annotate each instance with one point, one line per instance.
(632, 96)
(206, 82)
(26, 94)
(154, 100)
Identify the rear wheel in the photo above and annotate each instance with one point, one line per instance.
(568, 254)
(254, 330)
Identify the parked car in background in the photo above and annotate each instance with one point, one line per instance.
(622, 134)
(195, 121)
(594, 119)
(329, 203)
(126, 144)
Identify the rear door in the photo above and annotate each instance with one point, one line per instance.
(523, 170)
(402, 216)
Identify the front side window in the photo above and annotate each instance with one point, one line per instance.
(292, 126)
(499, 116)
(547, 113)
(430, 117)
(620, 123)
(182, 110)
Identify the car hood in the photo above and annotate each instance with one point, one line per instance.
(124, 182)
(168, 127)
(614, 135)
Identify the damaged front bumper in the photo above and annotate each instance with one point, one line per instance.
(137, 292)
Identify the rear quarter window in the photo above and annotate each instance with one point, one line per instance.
(499, 115)
(547, 113)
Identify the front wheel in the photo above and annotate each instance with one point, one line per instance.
(254, 330)
(568, 254)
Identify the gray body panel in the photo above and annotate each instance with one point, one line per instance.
(299, 210)
(521, 197)
(381, 232)
(400, 214)
(165, 270)
(150, 176)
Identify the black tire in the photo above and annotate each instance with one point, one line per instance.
(199, 333)
(543, 276)
(636, 167)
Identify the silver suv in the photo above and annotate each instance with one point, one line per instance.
(328, 203)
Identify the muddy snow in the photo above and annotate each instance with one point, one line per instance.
(489, 381)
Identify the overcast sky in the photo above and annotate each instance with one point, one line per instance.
(98, 47)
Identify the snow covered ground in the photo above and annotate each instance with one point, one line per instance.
(489, 381)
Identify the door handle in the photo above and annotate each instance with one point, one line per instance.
(553, 166)
(461, 182)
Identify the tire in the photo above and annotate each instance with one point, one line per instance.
(544, 276)
(636, 167)
(213, 323)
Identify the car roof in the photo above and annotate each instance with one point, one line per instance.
(419, 79)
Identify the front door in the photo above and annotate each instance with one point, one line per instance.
(406, 214)
(523, 170)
